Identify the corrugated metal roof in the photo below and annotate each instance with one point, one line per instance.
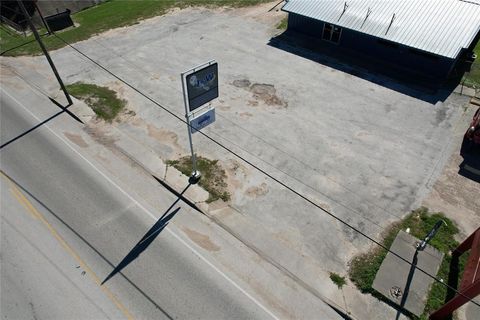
(442, 27)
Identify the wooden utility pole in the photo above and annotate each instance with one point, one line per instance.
(45, 52)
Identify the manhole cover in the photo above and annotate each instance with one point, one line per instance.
(396, 292)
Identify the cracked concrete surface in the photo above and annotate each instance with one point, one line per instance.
(365, 152)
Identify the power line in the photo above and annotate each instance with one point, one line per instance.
(298, 180)
(137, 67)
(268, 174)
(21, 45)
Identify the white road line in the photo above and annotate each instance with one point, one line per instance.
(149, 213)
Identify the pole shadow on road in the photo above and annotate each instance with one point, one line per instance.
(64, 109)
(58, 218)
(148, 238)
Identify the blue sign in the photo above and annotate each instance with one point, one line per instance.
(201, 121)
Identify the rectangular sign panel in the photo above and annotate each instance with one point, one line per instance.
(202, 120)
(202, 86)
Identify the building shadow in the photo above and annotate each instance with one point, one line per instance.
(470, 166)
(470, 169)
(341, 313)
(64, 109)
(359, 65)
(148, 238)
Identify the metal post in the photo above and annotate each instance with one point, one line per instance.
(196, 175)
(45, 52)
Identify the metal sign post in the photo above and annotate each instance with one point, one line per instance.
(199, 85)
(195, 173)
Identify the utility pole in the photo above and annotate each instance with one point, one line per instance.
(43, 19)
(45, 52)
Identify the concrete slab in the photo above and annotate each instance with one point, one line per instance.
(466, 91)
(364, 151)
(394, 273)
(472, 311)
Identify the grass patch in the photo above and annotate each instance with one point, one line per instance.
(472, 79)
(213, 176)
(103, 101)
(283, 24)
(338, 279)
(104, 16)
(364, 267)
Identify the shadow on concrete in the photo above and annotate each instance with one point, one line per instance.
(401, 309)
(362, 66)
(178, 194)
(148, 238)
(86, 242)
(64, 109)
(340, 312)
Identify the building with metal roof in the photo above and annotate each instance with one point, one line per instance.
(432, 36)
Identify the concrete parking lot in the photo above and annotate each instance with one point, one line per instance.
(365, 152)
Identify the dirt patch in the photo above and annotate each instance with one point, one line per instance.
(168, 137)
(119, 88)
(263, 13)
(100, 136)
(241, 83)
(246, 115)
(270, 298)
(201, 239)
(224, 108)
(265, 92)
(236, 175)
(261, 92)
(10, 76)
(257, 191)
(78, 140)
(126, 116)
(138, 122)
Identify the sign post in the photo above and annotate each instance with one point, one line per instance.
(199, 85)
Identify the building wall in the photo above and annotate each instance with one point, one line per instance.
(388, 52)
(49, 7)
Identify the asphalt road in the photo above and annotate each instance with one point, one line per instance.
(65, 223)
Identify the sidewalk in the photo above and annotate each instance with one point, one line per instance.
(131, 165)
(282, 276)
